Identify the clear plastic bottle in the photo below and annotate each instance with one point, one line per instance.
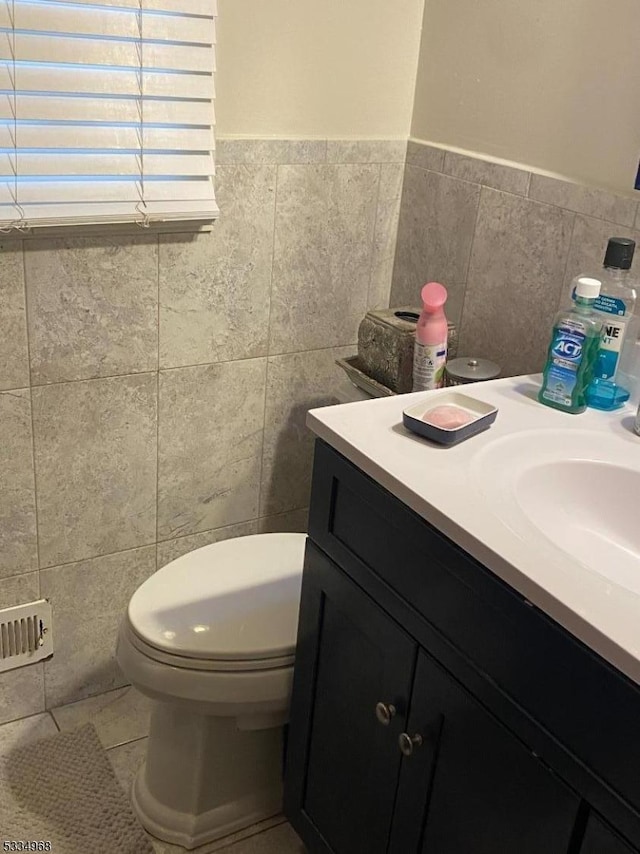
(610, 387)
(573, 350)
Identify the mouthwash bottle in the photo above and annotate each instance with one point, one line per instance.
(610, 388)
(573, 350)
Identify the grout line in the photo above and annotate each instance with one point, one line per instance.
(55, 722)
(33, 431)
(97, 557)
(528, 197)
(158, 412)
(397, 233)
(26, 718)
(282, 513)
(6, 579)
(472, 241)
(87, 699)
(16, 388)
(258, 518)
(147, 372)
(267, 365)
(468, 266)
(124, 743)
(181, 367)
(559, 299)
(264, 430)
(530, 178)
(578, 213)
(374, 235)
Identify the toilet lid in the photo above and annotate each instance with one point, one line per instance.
(233, 600)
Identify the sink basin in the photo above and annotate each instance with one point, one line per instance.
(580, 496)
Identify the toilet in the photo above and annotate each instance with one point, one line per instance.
(211, 639)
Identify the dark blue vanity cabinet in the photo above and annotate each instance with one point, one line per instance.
(434, 709)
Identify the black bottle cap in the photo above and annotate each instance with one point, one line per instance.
(619, 253)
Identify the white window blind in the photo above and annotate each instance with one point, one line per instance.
(106, 111)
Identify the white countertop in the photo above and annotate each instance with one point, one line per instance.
(445, 487)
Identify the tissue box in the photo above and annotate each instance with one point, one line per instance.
(385, 346)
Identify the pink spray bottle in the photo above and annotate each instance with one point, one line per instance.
(430, 349)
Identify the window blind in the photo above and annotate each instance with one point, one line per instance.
(106, 111)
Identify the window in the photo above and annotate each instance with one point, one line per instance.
(107, 111)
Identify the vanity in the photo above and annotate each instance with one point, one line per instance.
(464, 684)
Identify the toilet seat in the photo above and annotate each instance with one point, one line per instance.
(229, 606)
(206, 664)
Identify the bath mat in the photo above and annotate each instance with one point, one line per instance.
(63, 790)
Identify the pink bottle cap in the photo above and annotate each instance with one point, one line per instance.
(434, 296)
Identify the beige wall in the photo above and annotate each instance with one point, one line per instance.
(303, 68)
(554, 85)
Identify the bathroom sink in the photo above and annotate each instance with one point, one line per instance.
(576, 490)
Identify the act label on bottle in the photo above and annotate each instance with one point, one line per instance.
(566, 354)
(428, 366)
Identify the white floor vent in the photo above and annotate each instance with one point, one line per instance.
(25, 634)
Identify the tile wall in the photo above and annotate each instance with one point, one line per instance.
(153, 391)
(506, 243)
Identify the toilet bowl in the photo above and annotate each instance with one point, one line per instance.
(211, 638)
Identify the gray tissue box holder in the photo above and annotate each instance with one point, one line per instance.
(385, 346)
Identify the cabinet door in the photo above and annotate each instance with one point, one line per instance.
(471, 786)
(342, 762)
(600, 839)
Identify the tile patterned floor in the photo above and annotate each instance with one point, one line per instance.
(121, 719)
(119, 716)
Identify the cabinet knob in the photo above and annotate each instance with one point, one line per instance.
(408, 742)
(384, 712)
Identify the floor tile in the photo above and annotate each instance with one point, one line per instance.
(126, 759)
(19, 733)
(22, 692)
(119, 716)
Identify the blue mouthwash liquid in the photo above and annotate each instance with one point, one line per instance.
(573, 351)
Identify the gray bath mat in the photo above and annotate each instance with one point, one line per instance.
(62, 789)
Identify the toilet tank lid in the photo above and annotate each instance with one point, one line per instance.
(233, 600)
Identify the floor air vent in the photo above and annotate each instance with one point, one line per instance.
(25, 634)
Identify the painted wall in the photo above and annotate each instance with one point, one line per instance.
(301, 68)
(552, 85)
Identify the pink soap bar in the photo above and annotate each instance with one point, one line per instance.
(448, 417)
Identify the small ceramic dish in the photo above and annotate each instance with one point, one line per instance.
(449, 417)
